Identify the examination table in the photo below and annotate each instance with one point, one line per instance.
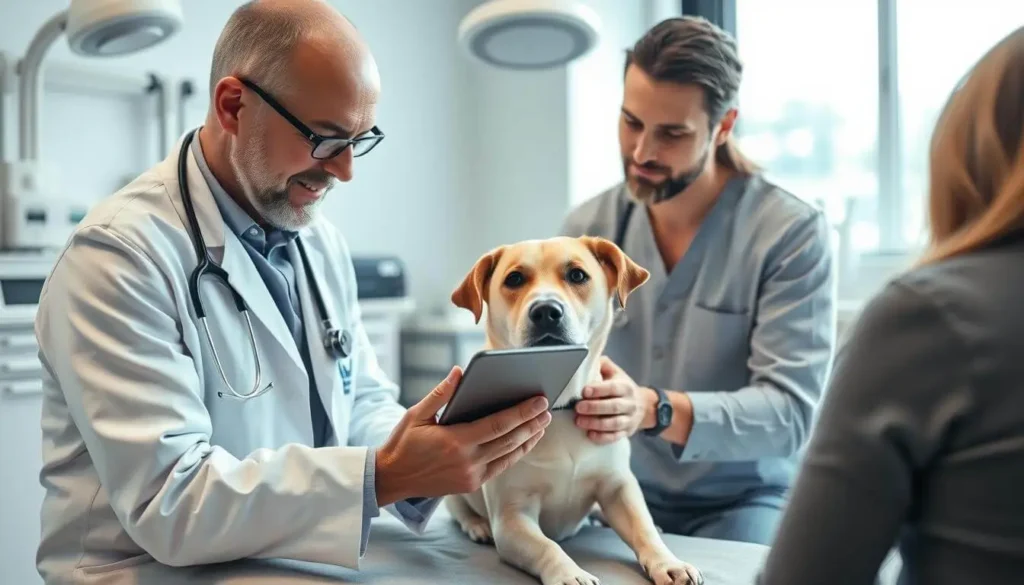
(397, 556)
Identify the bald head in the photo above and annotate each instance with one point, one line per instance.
(272, 40)
(287, 77)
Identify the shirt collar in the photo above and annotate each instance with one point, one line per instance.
(236, 218)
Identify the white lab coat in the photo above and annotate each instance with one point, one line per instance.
(142, 460)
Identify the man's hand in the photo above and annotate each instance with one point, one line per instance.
(424, 459)
(616, 407)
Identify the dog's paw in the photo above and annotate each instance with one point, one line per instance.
(672, 571)
(478, 529)
(576, 576)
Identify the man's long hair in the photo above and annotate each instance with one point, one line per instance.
(692, 50)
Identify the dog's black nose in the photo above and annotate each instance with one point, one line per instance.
(546, 313)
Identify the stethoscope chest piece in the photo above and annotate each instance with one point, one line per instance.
(338, 342)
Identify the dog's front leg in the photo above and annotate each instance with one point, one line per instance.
(626, 512)
(463, 508)
(521, 543)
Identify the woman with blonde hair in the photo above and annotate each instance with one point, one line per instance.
(920, 440)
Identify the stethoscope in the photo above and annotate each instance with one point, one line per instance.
(337, 342)
(620, 318)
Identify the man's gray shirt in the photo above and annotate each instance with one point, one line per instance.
(744, 323)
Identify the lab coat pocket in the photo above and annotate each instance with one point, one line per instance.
(715, 348)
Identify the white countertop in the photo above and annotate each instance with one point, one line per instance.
(398, 306)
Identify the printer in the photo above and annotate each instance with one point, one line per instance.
(379, 277)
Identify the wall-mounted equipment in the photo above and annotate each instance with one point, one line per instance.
(380, 277)
(529, 34)
(35, 212)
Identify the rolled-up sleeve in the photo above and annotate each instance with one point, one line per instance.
(791, 354)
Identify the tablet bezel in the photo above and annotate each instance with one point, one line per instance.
(496, 379)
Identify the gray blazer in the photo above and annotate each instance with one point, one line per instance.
(745, 324)
(920, 441)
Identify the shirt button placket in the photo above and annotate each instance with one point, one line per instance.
(662, 332)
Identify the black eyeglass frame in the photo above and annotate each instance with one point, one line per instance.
(331, 145)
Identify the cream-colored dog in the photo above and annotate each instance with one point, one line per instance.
(544, 292)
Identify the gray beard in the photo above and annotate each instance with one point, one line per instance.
(269, 200)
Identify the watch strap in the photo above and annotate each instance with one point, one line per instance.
(659, 426)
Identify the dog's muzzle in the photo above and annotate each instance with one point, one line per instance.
(547, 324)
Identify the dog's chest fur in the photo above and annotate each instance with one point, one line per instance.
(564, 473)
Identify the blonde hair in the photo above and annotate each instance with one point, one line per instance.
(976, 186)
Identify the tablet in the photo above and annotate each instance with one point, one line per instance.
(498, 379)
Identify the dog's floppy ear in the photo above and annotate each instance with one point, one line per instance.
(623, 273)
(472, 293)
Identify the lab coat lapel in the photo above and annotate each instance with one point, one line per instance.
(247, 281)
(326, 371)
(226, 249)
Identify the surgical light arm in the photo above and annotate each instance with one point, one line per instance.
(34, 210)
(30, 84)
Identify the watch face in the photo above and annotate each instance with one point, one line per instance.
(664, 414)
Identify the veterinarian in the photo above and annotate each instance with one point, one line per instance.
(717, 363)
(242, 414)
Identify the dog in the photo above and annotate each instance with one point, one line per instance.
(559, 290)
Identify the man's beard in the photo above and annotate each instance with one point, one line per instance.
(269, 198)
(647, 192)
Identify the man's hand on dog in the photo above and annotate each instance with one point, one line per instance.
(424, 459)
(616, 407)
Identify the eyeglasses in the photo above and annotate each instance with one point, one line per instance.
(324, 147)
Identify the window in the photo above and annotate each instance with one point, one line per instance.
(935, 50)
(809, 103)
(839, 100)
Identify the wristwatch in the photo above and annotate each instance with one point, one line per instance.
(662, 414)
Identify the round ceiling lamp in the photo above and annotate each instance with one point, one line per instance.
(529, 34)
(119, 27)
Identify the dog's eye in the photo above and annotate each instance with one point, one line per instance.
(577, 276)
(514, 279)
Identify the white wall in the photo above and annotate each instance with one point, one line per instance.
(519, 183)
(411, 183)
(463, 141)
(556, 142)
